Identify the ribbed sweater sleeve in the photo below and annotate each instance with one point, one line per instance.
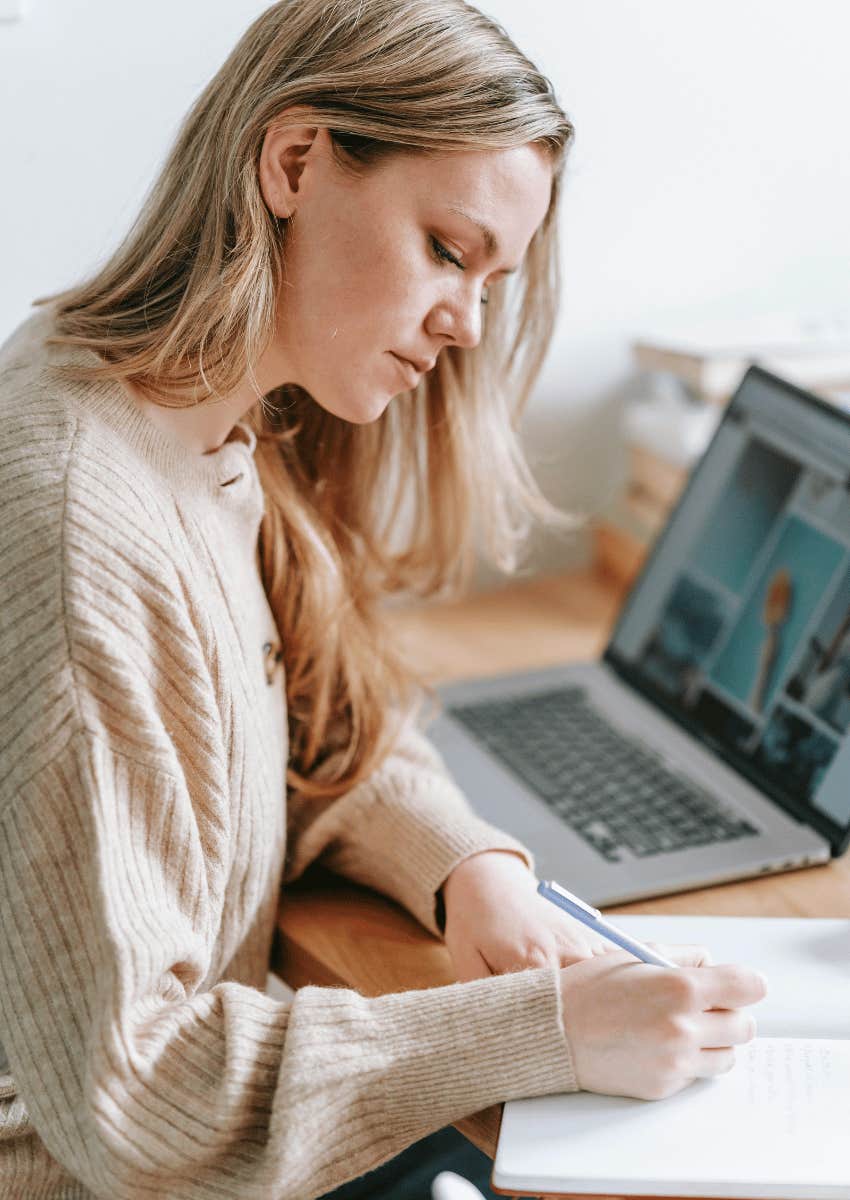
(142, 1083)
(142, 841)
(402, 831)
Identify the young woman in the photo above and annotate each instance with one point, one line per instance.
(293, 390)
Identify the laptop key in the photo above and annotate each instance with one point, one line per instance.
(612, 792)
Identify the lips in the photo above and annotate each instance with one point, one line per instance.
(410, 371)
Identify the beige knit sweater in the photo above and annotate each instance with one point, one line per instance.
(145, 832)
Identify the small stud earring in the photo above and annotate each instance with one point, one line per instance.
(273, 652)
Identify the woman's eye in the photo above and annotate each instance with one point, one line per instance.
(444, 255)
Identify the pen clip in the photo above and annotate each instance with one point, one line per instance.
(562, 891)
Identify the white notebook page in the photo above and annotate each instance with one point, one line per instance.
(775, 1126)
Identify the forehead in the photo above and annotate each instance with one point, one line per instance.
(508, 190)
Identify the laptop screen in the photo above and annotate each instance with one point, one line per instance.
(739, 625)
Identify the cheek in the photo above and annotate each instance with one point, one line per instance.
(374, 306)
(378, 286)
(345, 307)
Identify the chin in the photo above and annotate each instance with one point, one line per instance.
(361, 410)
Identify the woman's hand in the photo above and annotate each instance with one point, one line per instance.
(638, 1030)
(634, 1029)
(496, 922)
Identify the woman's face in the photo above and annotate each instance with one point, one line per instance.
(384, 268)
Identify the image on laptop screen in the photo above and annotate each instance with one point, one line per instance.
(740, 623)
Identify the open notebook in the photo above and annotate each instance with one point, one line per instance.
(775, 1127)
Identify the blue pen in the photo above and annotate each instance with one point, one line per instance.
(593, 919)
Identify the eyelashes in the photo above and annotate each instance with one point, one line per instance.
(444, 255)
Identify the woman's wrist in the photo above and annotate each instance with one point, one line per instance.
(480, 866)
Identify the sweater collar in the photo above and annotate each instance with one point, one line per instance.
(225, 472)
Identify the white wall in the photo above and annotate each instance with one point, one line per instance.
(710, 172)
(709, 176)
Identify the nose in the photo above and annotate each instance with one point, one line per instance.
(457, 319)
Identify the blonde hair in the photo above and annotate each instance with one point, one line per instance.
(191, 294)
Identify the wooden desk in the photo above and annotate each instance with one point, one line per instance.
(332, 933)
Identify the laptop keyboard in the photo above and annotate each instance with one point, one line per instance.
(615, 793)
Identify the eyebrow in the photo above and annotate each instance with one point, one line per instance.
(491, 242)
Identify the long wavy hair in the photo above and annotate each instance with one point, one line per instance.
(353, 513)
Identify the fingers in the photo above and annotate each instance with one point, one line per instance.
(725, 986)
(574, 943)
(719, 1032)
(704, 1065)
(721, 1029)
(714, 1062)
(729, 986)
(685, 956)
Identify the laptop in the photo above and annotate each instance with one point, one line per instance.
(712, 740)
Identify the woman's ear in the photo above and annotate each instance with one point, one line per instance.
(285, 153)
